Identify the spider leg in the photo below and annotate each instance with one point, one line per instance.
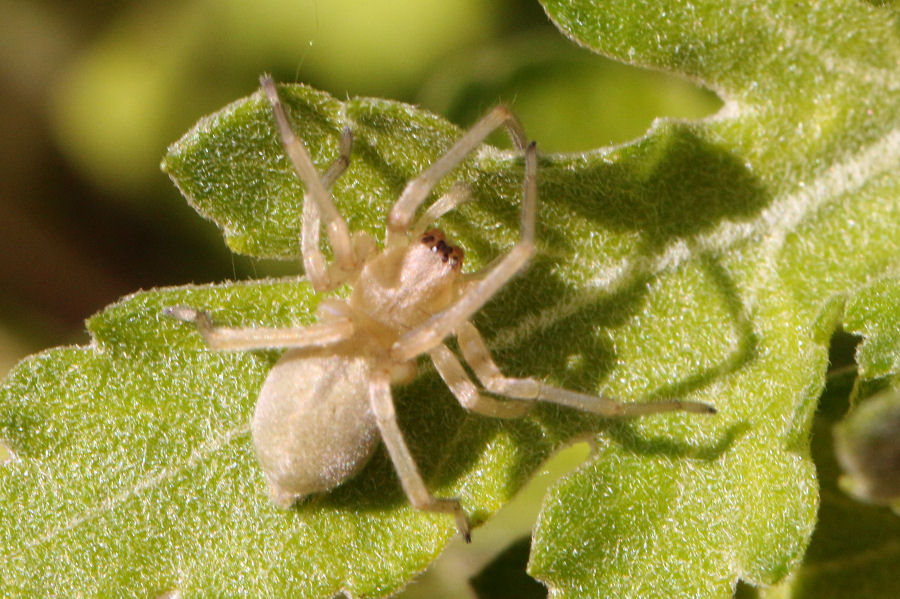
(318, 334)
(320, 275)
(418, 189)
(310, 247)
(340, 163)
(316, 190)
(459, 194)
(465, 391)
(410, 479)
(479, 358)
(433, 331)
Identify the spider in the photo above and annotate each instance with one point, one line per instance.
(327, 401)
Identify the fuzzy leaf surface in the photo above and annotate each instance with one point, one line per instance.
(856, 544)
(706, 261)
(867, 441)
(787, 200)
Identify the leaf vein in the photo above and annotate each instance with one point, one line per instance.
(197, 456)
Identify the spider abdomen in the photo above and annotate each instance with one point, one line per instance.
(313, 427)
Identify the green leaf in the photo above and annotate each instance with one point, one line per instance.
(854, 549)
(708, 260)
(867, 441)
(874, 313)
(135, 474)
(787, 200)
(233, 169)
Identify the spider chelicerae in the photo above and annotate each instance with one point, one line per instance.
(327, 401)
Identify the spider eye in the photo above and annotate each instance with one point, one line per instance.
(432, 236)
(456, 256)
(436, 242)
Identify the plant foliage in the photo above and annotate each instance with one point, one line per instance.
(707, 260)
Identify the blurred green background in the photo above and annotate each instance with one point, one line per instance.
(91, 94)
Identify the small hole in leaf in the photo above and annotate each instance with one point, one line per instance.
(745, 591)
(841, 374)
(842, 351)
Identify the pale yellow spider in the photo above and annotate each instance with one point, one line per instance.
(327, 401)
